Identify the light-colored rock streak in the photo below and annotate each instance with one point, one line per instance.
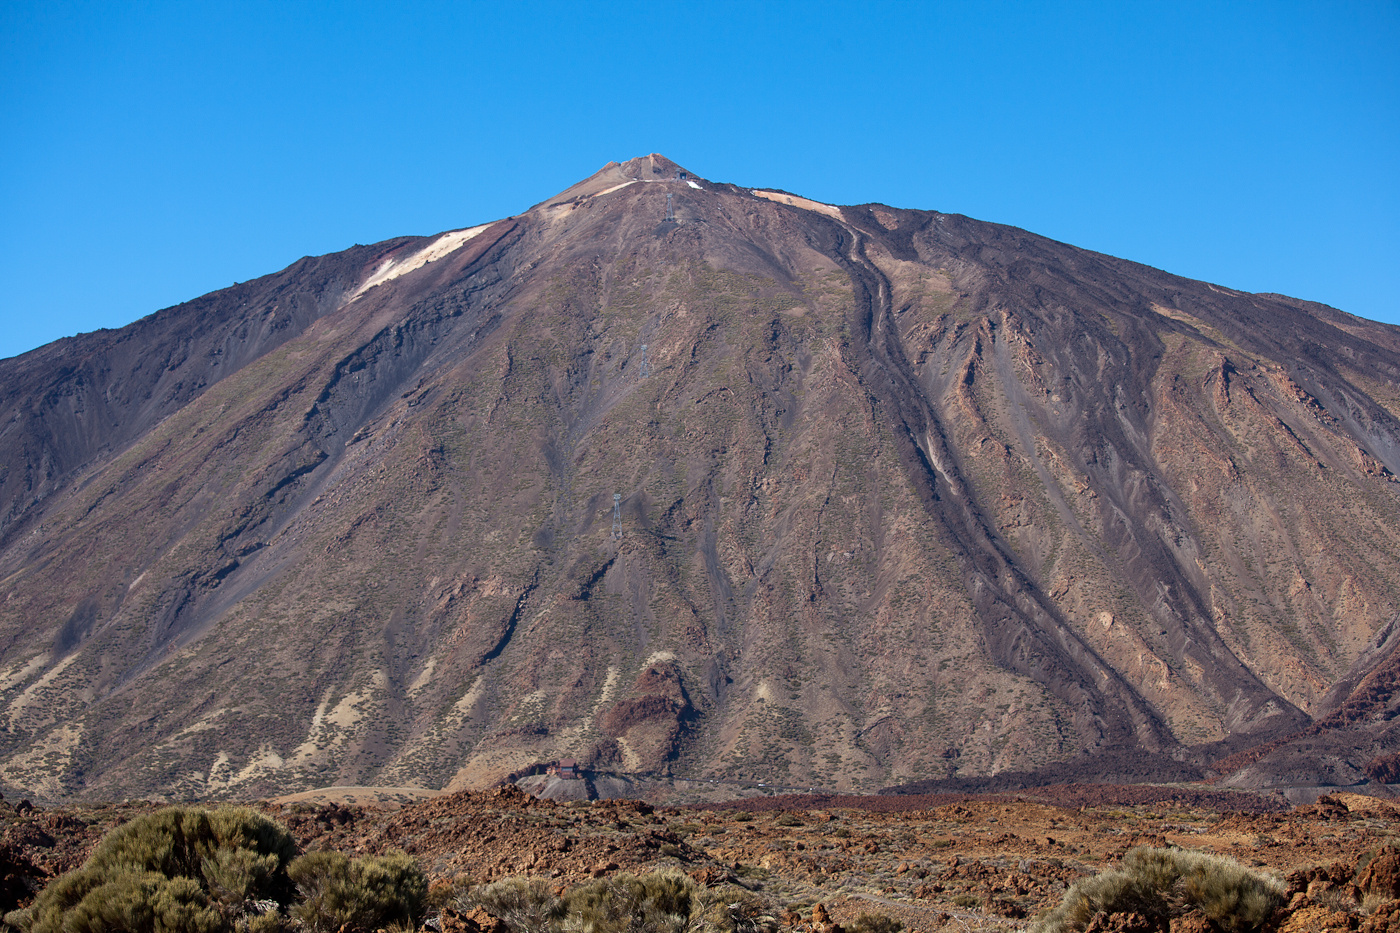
(829, 210)
(631, 181)
(444, 245)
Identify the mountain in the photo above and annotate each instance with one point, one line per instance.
(900, 496)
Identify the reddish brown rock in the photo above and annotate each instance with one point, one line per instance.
(1193, 922)
(1130, 922)
(1384, 768)
(476, 920)
(1384, 918)
(1317, 919)
(1382, 875)
(710, 876)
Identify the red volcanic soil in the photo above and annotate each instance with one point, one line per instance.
(1059, 795)
(930, 861)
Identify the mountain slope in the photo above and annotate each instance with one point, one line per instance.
(903, 495)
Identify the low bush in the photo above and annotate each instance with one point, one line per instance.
(1160, 883)
(659, 902)
(731, 909)
(656, 902)
(357, 895)
(526, 905)
(190, 870)
(181, 868)
(874, 923)
(130, 900)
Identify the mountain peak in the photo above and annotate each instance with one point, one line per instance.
(652, 167)
(648, 168)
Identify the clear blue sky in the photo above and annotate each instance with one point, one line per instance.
(151, 152)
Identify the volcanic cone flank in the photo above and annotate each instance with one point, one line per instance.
(903, 495)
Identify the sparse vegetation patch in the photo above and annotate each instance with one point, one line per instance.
(1159, 883)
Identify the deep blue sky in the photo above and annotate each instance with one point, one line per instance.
(151, 152)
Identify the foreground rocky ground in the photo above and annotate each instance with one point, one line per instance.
(932, 862)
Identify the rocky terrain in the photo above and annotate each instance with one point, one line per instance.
(952, 861)
(902, 497)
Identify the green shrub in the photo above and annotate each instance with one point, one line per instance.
(657, 902)
(180, 868)
(1161, 882)
(874, 923)
(664, 901)
(142, 900)
(526, 905)
(787, 819)
(270, 922)
(730, 909)
(176, 841)
(189, 870)
(359, 895)
(235, 876)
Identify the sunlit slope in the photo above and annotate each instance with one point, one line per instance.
(903, 495)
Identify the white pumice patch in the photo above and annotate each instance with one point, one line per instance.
(393, 268)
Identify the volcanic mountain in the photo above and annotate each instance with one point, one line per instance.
(678, 477)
